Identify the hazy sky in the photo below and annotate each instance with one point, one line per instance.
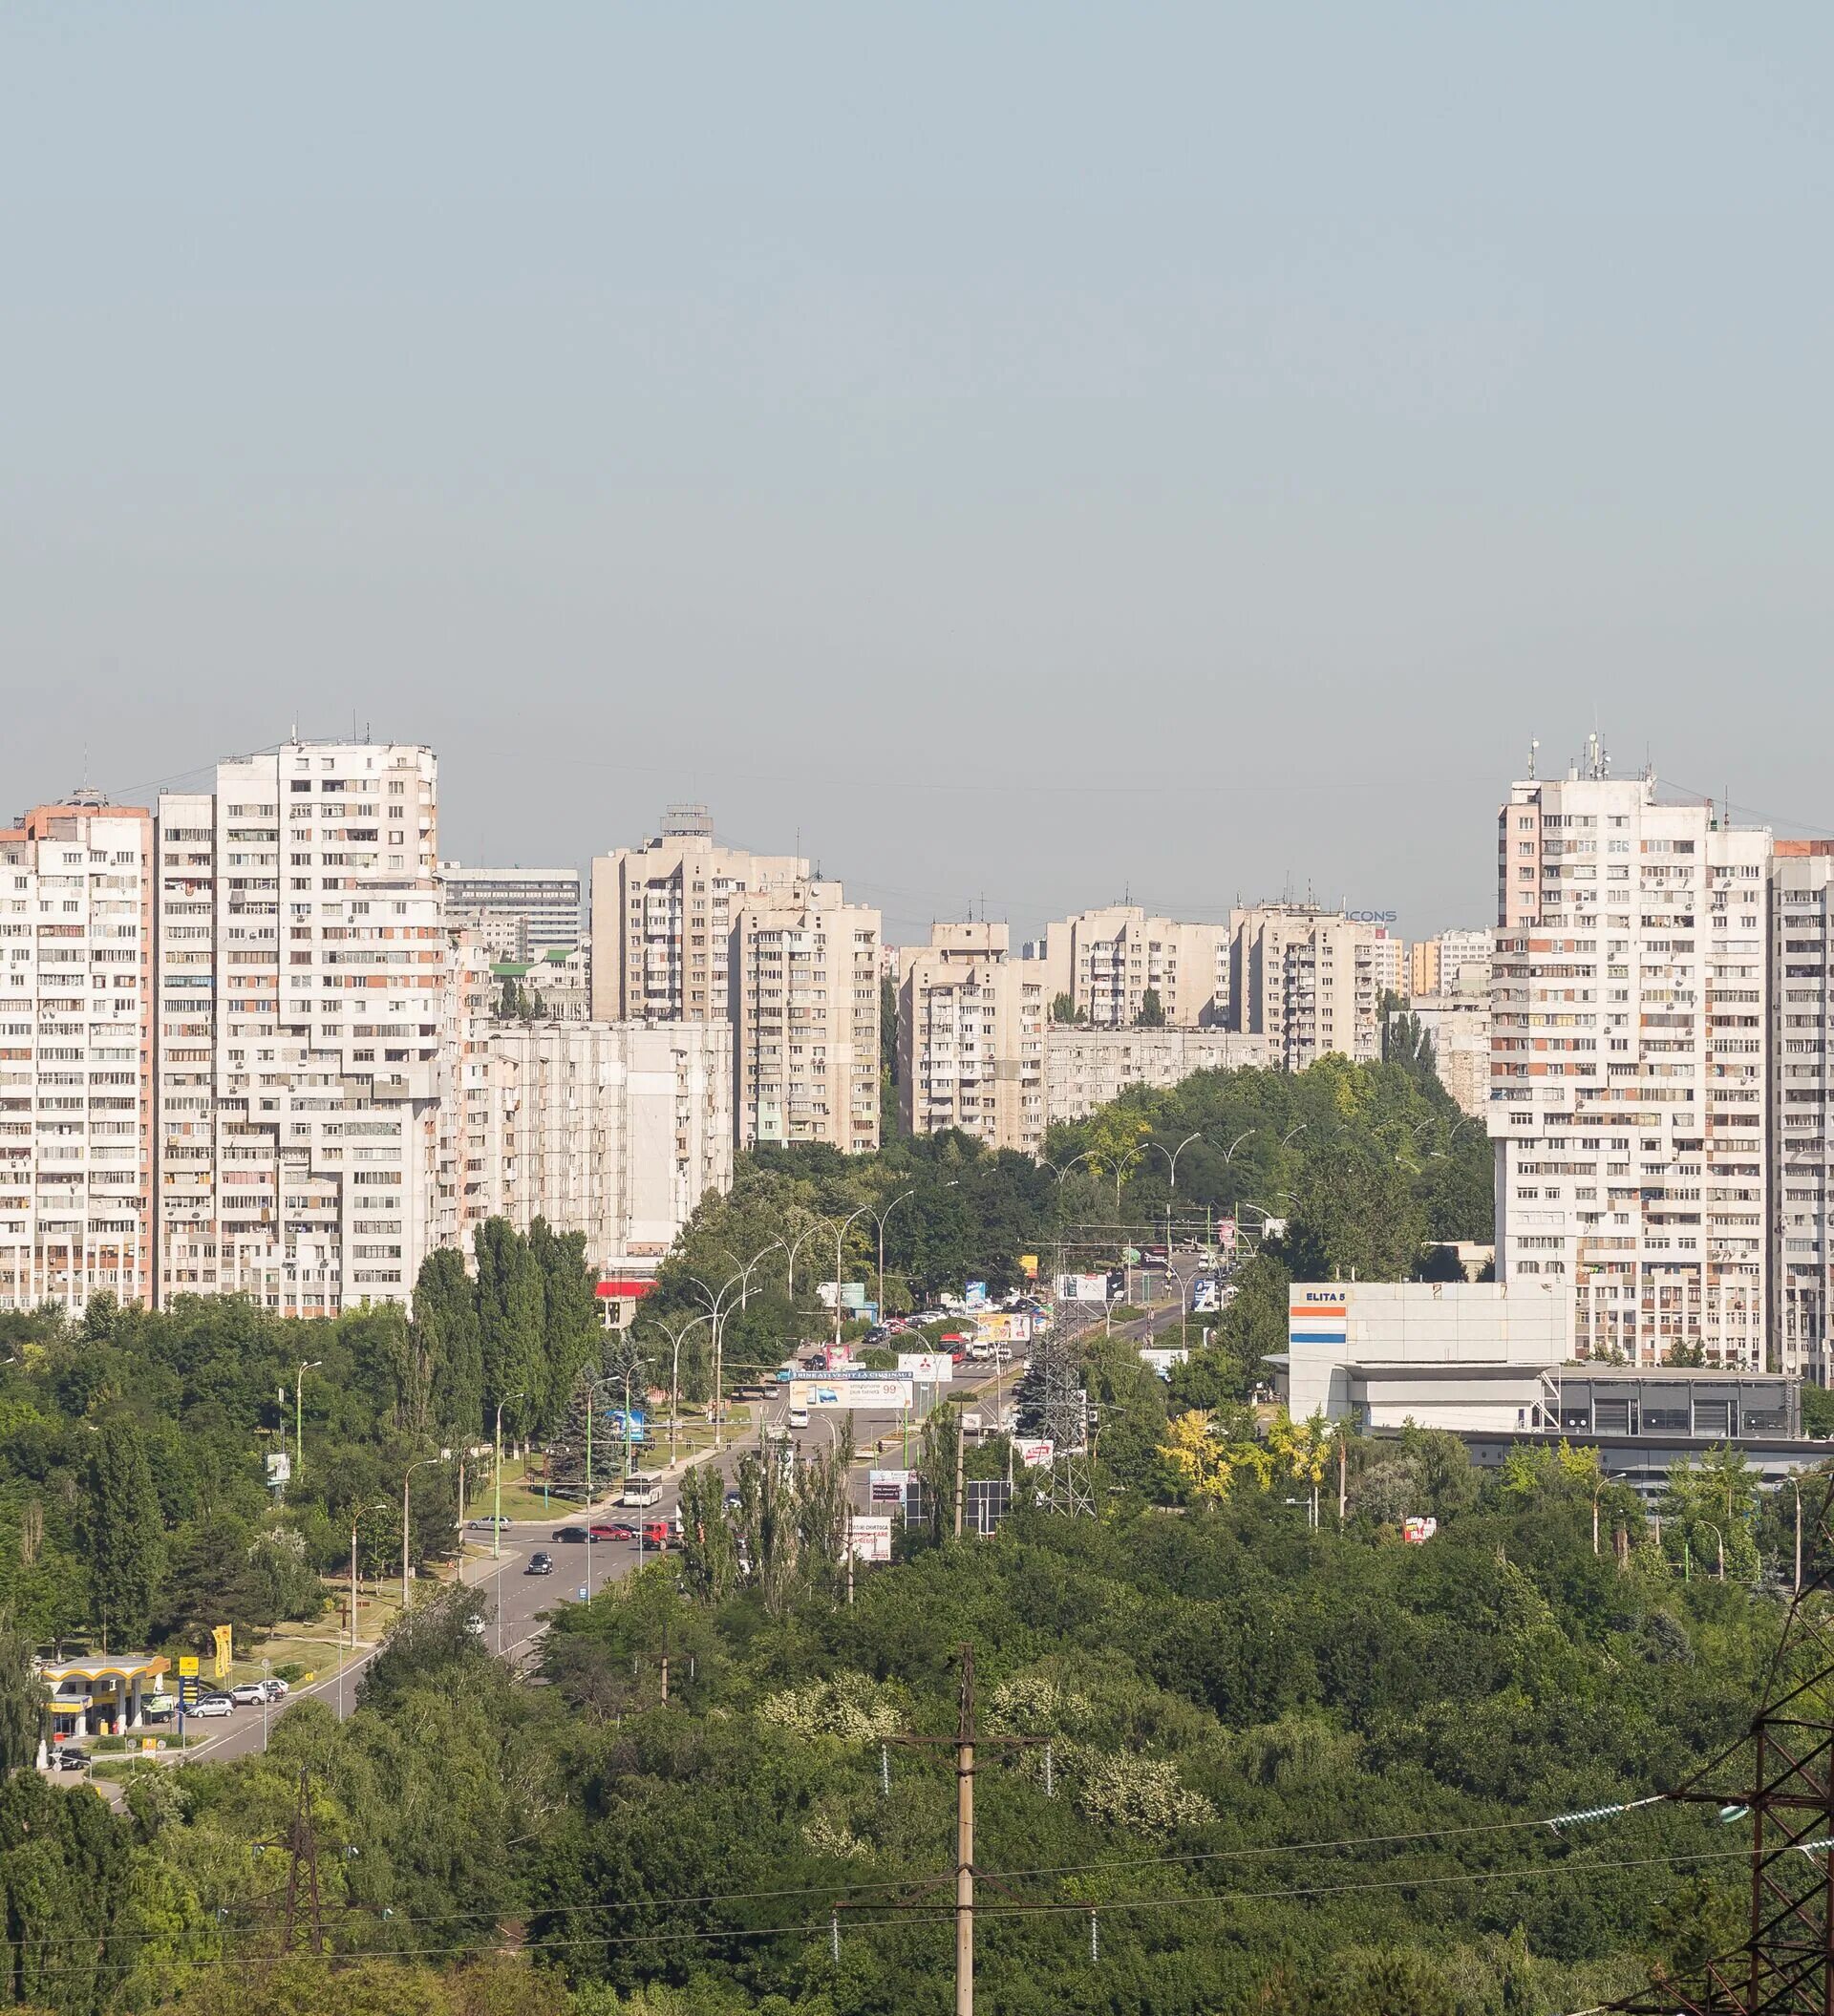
(1031, 451)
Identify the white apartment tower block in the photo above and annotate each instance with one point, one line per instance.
(76, 1056)
(1628, 1098)
(970, 1037)
(303, 1020)
(1801, 936)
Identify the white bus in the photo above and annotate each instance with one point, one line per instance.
(641, 1488)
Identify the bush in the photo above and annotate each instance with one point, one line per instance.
(290, 1672)
(109, 1743)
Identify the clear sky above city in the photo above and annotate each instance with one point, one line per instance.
(1028, 452)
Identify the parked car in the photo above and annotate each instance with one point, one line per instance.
(70, 1758)
(250, 1694)
(569, 1536)
(613, 1530)
(540, 1563)
(274, 1690)
(213, 1705)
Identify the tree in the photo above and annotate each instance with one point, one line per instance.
(569, 1314)
(22, 1699)
(1354, 1217)
(1210, 1462)
(447, 1337)
(1152, 1010)
(512, 1316)
(1064, 1009)
(126, 1531)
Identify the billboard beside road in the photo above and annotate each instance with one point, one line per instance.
(930, 1367)
(1005, 1327)
(888, 1487)
(1082, 1287)
(1035, 1453)
(876, 1395)
(871, 1535)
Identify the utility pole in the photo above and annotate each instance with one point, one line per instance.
(960, 1441)
(965, 1822)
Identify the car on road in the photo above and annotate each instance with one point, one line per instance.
(70, 1758)
(613, 1530)
(569, 1536)
(489, 1522)
(540, 1563)
(798, 1417)
(657, 1532)
(250, 1694)
(274, 1690)
(213, 1705)
(734, 1501)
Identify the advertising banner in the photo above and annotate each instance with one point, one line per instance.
(1082, 1287)
(976, 1295)
(223, 1635)
(1205, 1296)
(872, 1536)
(1034, 1453)
(880, 1394)
(1163, 1361)
(1005, 1327)
(1416, 1532)
(888, 1487)
(1029, 1266)
(927, 1368)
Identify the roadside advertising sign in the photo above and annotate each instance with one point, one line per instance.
(1163, 1361)
(879, 1394)
(870, 1536)
(1029, 1266)
(887, 1487)
(1416, 1532)
(1205, 1296)
(1082, 1287)
(1004, 1326)
(927, 1368)
(1034, 1453)
(976, 1295)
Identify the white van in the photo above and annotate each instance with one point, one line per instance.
(798, 1417)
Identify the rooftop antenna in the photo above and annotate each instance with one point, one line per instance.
(1534, 744)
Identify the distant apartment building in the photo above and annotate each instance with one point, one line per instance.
(1801, 1146)
(1107, 961)
(302, 1003)
(1310, 981)
(464, 1189)
(970, 1037)
(805, 978)
(662, 920)
(557, 986)
(520, 913)
(1454, 963)
(76, 1056)
(1630, 1013)
(1459, 1027)
(616, 1131)
(1085, 1067)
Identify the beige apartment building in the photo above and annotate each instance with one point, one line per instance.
(1108, 961)
(1454, 963)
(662, 918)
(1086, 1067)
(1801, 1138)
(1459, 1028)
(613, 1130)
(970, 1037)
(76, 1056)
(804, 1006)
(302, 1003)
(1310, 981)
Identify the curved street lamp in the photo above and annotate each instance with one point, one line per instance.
(674, 1338)
(418, 1463)
(1172, 1154)
(840, 1234)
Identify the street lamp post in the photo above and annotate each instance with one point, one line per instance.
(674, 1338)
(1796, 1485)
(1172, 1154)
(880, 1217)
(840, 1234)
(497, 1508)
(312, 1365)
(418, 1463)
(1721, 1540)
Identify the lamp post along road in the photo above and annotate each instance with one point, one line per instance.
(840, 1233)
(497, 1508)
(312, 1365)
(419, 1463)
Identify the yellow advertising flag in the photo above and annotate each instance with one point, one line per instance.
(223, 1634)
(1029, 1266)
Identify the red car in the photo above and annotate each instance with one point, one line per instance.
(613, 1530)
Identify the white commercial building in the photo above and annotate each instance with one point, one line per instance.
(1472, 1355)
(1085, 1067)
(1630, 1025)
(76, 1056)
(615, 1130)
(303, 1013)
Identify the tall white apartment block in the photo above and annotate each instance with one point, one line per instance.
(302, 1007)
(1802, 1147)
(1454, 963)
(1108, 961)
(1311, 981)
(1629, 1083)
(76, 1056)
(970, 1037)
(521, 913)
(804, 988)
(663, 916)
(615, 1130)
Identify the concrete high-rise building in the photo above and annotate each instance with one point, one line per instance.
(613, 1130)
(970, 1037)
(1108, 961)
(520, 913)
(1454, 963)
(303, 1016)
(1310, 981)
(1459, 1027)
(803, 975)
(663, 916)
(76, 1056)
(1802, 1145)
(1629, 1027)
(1087, 1067)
